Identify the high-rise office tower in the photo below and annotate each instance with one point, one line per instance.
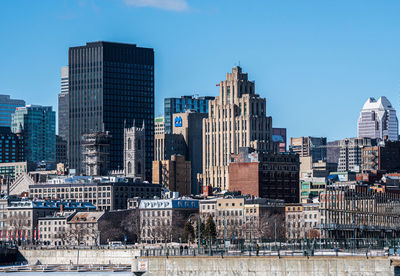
(378, 120)
(237, 118)
(7, 108)
(314, 147)
(11, 146)
(37, 124)
(190, 125)
(110, 84)
(63, 103)
(179, 105)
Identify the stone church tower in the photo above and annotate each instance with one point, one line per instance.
(134, 151)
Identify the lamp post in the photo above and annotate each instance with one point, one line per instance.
(224, 231)
(198, 234)
(275, 234)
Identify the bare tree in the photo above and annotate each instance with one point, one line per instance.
(269, 226)
(131, 224)
(78, 233)
(18, 223)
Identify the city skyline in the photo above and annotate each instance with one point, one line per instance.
(294, 64)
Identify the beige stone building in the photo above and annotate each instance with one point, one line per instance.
(236, 118)
(53, 228)
(302, 220)
(243, 218)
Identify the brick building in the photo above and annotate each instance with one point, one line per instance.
(268, 175)
(383, 157)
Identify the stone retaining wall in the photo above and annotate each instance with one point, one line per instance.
(263, 266)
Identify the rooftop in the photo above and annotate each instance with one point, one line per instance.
(381, 104)
(51, 204)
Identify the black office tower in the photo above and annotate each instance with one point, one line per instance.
(110, 85)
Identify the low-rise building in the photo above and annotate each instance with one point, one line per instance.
(359, 212)
(53, 228)
(162, 220)
(244, 218)
(106, 193)
(302, 220)
(23, 215)
(89, 227)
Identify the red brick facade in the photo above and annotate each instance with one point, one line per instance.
(244, 177)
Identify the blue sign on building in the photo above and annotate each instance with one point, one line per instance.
(178, 121)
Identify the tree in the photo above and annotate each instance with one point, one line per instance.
(131, 224)
(265, 227)
(81, 233)
(188, 232)
(202, 229)
(211, 229)
(313, 234)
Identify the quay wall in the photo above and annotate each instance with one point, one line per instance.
(263, 266)
(86, 256)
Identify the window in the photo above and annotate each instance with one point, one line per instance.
(129, 167)
(129, 143)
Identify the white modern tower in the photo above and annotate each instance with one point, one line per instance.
(378, 120)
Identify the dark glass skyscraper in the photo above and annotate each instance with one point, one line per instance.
(178, 105)
(111, 85)
(7, 108)
(38, 126)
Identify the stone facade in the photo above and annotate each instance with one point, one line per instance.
(236, 118)
(134, 152)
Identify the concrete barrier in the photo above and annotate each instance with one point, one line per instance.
(86, 256)
(263, 266)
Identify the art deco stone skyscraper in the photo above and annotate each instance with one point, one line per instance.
(236, 118)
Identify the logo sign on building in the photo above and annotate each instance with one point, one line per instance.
(143, 265)
(178, 121)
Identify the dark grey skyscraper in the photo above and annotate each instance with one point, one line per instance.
(110, 84)
(63, 105)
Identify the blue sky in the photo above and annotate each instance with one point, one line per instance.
(316, 62)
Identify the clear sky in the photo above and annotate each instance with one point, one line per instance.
(316, 62)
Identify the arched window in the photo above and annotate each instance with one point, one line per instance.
(138, 168)
(139, 144)
(129, 143)
(129, 167)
